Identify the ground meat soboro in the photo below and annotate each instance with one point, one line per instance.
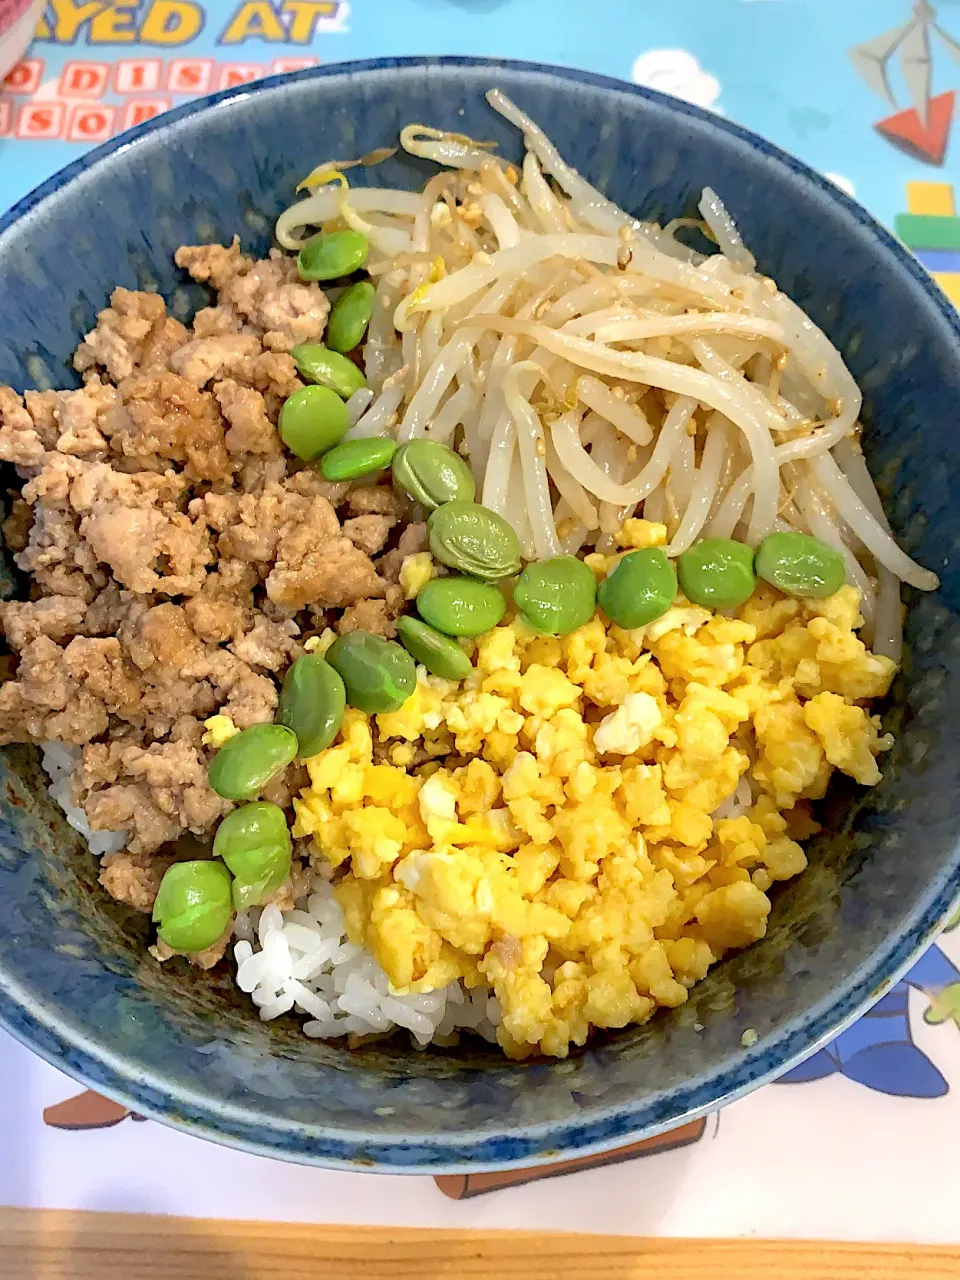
(177, 554)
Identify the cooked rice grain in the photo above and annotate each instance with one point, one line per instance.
(304, 961)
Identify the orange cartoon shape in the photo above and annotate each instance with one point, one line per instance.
(87, 1110)
(922, 130)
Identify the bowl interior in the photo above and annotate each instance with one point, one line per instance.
(75, 980)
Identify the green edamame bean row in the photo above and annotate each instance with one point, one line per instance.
(196, 900)
(559, 594)
(314, 419)
(719, 573)
(556, 595)
(370, 673)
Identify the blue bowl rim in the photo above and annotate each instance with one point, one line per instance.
(546, 1142)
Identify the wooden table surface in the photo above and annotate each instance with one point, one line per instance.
(53, 1245)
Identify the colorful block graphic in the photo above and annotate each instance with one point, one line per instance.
(937, 260)
(949, 282)
(932, 198)
(922, 231)
(931, 228)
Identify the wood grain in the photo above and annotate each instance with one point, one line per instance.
(52, 1245)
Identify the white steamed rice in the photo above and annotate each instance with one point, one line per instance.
(59, 762)
(303, 961)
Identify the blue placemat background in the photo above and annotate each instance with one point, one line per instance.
(780, 67)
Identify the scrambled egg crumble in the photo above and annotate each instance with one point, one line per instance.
(568, 825)
(415, 572)
(219, 729)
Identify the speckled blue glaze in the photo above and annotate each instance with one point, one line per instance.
(75, 984)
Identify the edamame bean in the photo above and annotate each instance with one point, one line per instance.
(460, 606)
(717, 573)
(433, 473)
(317, 363)
(355, 458)
(640, 589)
(475, 540)
(800, 565)
(556, 595)
(440, 654)
(254, 842)
(193, 906)
(312, 420)
(311, 703)
(332, 254)
(350, 316)
(378, 674)
(246, 762)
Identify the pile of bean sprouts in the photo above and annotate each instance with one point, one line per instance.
(592, 367)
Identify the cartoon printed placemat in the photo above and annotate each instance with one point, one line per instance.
(861, 1141)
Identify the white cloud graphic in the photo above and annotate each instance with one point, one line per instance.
(843, 183)
(677, 72)
(339, 21)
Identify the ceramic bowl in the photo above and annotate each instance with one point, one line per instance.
(76, 983)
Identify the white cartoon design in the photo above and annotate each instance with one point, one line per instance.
(677, 72)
